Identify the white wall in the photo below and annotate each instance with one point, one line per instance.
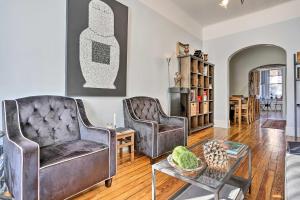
(284, 34)
(32, 54)
(244, 61)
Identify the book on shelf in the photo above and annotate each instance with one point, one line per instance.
(205, 107)
(193, 95)
(193, 109)
(205, 70)
(205, 95)
(298, 73)
(234, 148)
(199, 99)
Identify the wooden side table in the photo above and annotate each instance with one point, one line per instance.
(4, 194)
(125, 138)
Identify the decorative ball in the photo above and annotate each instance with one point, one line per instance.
(215, 155)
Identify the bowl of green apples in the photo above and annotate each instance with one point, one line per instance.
(185, 161)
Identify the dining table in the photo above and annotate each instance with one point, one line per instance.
(238, 100)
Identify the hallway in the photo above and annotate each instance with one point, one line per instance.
(272, 115)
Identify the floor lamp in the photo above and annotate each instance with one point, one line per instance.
(168, 59)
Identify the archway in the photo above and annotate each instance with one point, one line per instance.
(244, 60)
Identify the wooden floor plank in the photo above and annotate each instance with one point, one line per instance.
(133, 179)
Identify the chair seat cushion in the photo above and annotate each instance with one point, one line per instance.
(166, 128)
(68, 150)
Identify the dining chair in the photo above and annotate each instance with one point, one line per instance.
(246, 107)
(257, 108)
(278, 103)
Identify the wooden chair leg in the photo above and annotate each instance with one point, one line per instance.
(248, 120)
(235, 115)
(131, 151)
(121, 150)
(152, 161)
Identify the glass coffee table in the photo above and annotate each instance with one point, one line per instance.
(208, 183)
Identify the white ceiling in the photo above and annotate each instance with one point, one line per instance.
(207, 12)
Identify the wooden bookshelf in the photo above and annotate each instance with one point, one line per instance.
(198, 77)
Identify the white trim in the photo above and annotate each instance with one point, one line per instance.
(73, 158)
(171, 130)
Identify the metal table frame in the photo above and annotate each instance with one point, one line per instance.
(216, 190)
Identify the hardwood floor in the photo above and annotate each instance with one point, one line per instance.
(133, 180)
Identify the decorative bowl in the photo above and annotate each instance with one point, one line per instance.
(187, 172)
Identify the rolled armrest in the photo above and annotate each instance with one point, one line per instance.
(97, 134)
(21, 156)
(173, 120)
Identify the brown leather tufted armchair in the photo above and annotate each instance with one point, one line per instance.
(51, 149)
(156, 133)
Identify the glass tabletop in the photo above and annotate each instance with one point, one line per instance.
(208, 178)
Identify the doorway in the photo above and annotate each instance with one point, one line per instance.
(268, 84)
(259, 71)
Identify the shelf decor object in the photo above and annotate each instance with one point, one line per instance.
(197, 76)
(96, 60)
(168, 59)
(182, 49)
(298, 57)
(177, 79)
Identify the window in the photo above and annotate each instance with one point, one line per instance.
(271, 83)
(275, 85)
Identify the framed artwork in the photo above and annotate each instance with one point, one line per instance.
(96, 61)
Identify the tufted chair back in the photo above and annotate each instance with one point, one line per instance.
(48, 120)
(145, 108)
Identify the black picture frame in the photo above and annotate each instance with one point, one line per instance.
(77, 22)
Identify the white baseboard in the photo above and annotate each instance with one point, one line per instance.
(221, 124)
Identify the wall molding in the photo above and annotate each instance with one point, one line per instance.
(273, 15)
